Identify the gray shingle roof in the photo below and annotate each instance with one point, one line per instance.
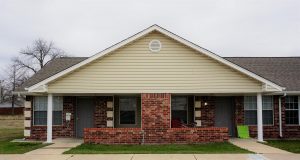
(284, 71)
(50, 69)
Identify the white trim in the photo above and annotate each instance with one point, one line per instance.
(167, 33)
(49, 118)
(284, 93)
(259, 118)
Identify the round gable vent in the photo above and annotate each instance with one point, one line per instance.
(155, 46)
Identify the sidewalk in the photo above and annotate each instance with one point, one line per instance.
(58, 147)
(154, 157)
(54, 152)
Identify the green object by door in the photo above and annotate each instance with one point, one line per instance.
(243, 132)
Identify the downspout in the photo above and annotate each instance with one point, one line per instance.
(280, 115)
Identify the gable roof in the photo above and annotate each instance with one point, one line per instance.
(141, 34)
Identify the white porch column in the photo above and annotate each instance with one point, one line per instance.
(259, 118)
(49, 118)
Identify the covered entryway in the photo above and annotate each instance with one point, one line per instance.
(224, 114)
(84, 114)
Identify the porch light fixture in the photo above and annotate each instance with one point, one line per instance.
(205, 103)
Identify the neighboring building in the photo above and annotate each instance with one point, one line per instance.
(156, 87)
(7, 109)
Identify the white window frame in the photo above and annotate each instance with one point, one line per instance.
(62, 111)
(293, 110)
(273, 117)
(249, 110)
(33, 112)
(262, 110)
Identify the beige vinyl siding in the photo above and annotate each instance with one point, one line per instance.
(175, 69)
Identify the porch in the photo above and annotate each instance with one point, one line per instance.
(145, 118)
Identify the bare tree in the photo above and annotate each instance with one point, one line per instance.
(30, 60)
(1, 91)
(16, 76)
(34, 57)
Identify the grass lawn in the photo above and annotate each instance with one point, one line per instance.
(288, 145)
(11, 128)
(157, 149)
(7, 147)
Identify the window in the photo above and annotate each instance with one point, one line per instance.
(128, 107)
(179, 108)
(250, 109)
(267, 107)
(291, 110)
(57, 110)
(40, 110)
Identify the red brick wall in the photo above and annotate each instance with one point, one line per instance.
(113, 135)
(100, 117)
(207, 111)
(171, 135)
(155, 116)
(8, 111)
(67, 129)
(197, 135)
(239, 110)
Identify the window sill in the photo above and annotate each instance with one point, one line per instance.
(292, 125)
(46, 125)
(268, 125)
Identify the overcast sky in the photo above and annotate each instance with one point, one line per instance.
(83, 28)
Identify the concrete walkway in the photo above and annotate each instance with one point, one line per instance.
(55, 151)
(154, 157)
(254, 146)
(59, 146)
